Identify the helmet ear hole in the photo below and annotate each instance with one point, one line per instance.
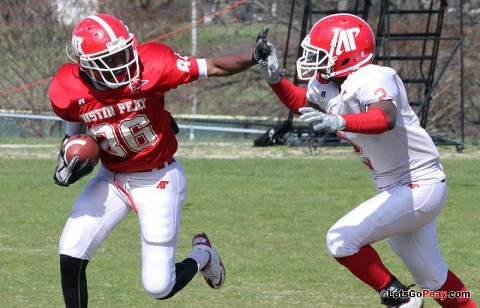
(345, 62)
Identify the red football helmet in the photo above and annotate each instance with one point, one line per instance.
(336, 46)
(105, 50)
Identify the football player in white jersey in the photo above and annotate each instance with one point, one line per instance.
(367, 106)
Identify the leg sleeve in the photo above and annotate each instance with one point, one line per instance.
(74, 281)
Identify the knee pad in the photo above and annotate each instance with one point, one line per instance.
(155, 234)
(158, 238)
(156, 288)
(338, 244)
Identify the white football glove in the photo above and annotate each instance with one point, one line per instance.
(270, 66)
(265, 54)
(322, 121)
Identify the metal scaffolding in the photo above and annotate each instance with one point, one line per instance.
(398, 45)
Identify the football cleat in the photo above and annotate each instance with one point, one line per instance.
(213, 272)
(404, 301)
(413, 302)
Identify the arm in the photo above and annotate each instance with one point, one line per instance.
(232, 64)
(291, 96)
(379, 118)
(390, 111)
(73, 128)
(67, 173)
(229, 65)
(265, 54)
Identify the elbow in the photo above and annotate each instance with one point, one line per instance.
(391, 124)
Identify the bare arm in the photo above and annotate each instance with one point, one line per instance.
(389, 109)
(229, 65)
(315, 106)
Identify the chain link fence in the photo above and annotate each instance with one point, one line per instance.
(14, 127)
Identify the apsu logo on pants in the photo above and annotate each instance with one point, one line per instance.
(162, 184)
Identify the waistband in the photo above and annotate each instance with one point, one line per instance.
(165, 164)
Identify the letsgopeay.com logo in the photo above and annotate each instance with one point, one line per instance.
(442, 295)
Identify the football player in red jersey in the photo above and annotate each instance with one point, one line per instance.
(115, 91)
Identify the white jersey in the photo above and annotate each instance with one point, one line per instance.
(403, 155)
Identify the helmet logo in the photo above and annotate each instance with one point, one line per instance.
(77, 45)
(117, 44)
(345, 39)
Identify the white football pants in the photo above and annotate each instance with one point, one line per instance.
(405, 217)
(158, 196)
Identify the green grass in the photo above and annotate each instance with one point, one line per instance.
(267, 217)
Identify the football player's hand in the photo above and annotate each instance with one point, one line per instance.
(266, 55)
(270, 67)
(322, 121)
(68, 173)
(262, 50)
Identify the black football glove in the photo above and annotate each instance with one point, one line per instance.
(262, 48)
(68, 173)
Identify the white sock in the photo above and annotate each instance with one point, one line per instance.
(201, 256)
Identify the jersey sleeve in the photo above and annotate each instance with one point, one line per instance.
(325, 95)
(183, 70)
(167, 68)
(60, 98)
(380, 85)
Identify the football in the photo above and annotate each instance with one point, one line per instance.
(82, 145)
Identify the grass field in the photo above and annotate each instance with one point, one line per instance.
(266, 210)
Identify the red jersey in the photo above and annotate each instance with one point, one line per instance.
(130, 123)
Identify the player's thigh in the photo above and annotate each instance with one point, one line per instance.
(396, 211)
(159, 210)
(159, 206)
(95, 213)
